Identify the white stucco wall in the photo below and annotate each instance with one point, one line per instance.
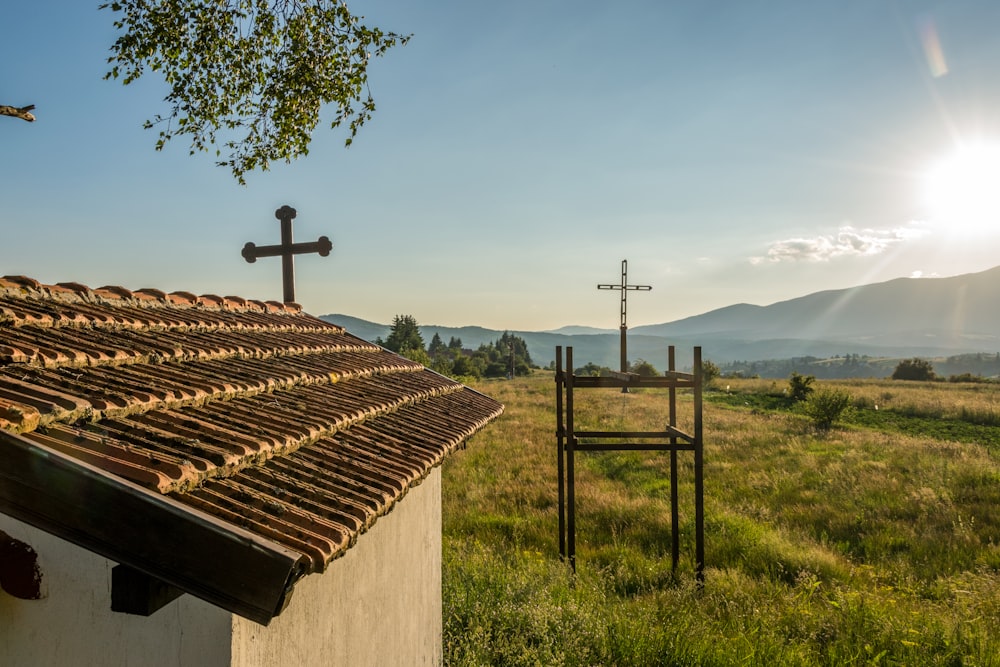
(378, 605)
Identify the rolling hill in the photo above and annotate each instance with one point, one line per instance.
(955, 313)
(927, 317)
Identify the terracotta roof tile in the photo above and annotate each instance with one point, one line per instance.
(17, 417)
(255, 413)
(75, 288)
(113, 292)
(20, 282)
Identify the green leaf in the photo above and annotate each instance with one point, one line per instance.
(258, 71)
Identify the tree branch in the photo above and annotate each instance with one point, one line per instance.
(18, 112)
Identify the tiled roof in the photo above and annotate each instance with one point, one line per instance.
(248, 415)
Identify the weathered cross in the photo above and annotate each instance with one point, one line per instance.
(625, 289)
(287, 249)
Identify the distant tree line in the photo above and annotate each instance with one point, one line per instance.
(984, 364)
(507, 356)
(838, 367)
(639, 366)
(959, 368)
(973, 367)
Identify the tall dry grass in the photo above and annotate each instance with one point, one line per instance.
(856, 546)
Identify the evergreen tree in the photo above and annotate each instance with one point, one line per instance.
(404, 335)
(509, 340)
(436, 346)
(495, 358)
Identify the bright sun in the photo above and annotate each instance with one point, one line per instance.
(963, 190)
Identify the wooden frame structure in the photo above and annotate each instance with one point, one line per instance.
(569, 441)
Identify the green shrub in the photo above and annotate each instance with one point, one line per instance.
(709, 372)
(967, 377)
(800, 386)
(644, 368)
(827, 406)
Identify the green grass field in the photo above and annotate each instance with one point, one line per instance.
(874, 543)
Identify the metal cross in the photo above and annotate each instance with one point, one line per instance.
(625, 288)
(287, 249)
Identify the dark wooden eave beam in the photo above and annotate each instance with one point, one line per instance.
(148, 532)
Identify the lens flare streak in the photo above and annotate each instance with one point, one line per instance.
(932, 48)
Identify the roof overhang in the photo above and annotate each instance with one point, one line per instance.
(148, 532)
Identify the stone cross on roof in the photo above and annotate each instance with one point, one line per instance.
(286, 250)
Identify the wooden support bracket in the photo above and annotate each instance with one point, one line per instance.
(135, 592)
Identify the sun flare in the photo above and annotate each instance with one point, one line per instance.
(962, 191)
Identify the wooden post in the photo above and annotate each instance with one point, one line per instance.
(675, 529)
(570, 469)
(699, 472)
(560, 453)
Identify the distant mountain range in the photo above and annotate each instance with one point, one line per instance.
(928, 317)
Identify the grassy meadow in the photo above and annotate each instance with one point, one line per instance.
(876, 542)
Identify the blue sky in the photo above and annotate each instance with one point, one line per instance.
(732, 151)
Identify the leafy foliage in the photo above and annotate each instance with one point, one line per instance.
(800, 386)
(591, 369)
(508, 354)
(709, 372)
(967, 377)
(257, 68)
(643, 368)
(826, 406)
(914, 369)
(504, 357)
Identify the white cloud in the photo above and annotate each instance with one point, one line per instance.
(847, 242)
